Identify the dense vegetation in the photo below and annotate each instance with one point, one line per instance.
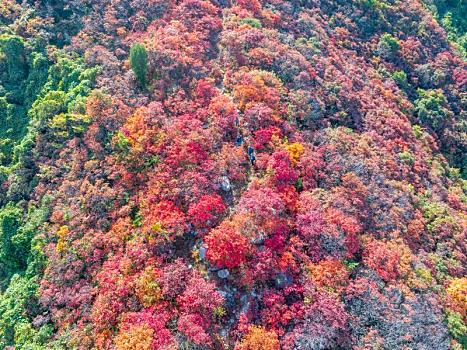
(242, 175)
(452, 16)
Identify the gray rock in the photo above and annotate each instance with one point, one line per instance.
(225, 184)
(283, 280)
(202, 253)
(224, 273)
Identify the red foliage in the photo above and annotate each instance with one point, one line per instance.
(173, 279)
(382, 258)
(264, 204)
(282, 167)
(263, 137)
(200, 297)
(191, 326)
(346, 169)
(207, 211)
(163, 219)
(197, 305)
(226, 247)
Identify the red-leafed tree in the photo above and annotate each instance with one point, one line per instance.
(207, 211)
(226, 247)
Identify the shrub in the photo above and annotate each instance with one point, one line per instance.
(253, 22)
(259, 339)
(387, 46)
(226, 247)
(457, 327)
(457, 290)
(400, 77)
(137, 337)
(13, 49)
(430, 108)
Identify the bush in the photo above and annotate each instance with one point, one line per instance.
(430, 108)
(457, 327)
(253, 22)
(407, 157)
(259, 339)
(387, 46)
(400, 77)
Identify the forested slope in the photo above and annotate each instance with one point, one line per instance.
(245, 175)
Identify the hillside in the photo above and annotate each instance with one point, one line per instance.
(233, 175)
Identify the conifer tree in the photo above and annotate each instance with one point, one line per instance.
(139, 62)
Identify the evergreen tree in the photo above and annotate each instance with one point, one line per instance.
(139, 62)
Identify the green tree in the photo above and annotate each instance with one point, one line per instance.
(18, 301)
(400, 77)
(388, 46)
(451, 15)
(139, 62)
(430, 108)
(13, 51)
(22, 75)
(11, 253)
(457, 327)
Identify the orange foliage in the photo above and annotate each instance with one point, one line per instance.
(457, 290)
(147, 288)
(135, 338)
(295, 151)
(330, 275)
(257, 87)
(259, 339)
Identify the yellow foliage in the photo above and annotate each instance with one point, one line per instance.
(295, 151)
(61, 243)
(405, 257)
(63, 123)
(135, 338)
(420, 278)
(156, 232)
(219, 312)
(147, 288)
(259, 339)
(157, 227)
(457, 290)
